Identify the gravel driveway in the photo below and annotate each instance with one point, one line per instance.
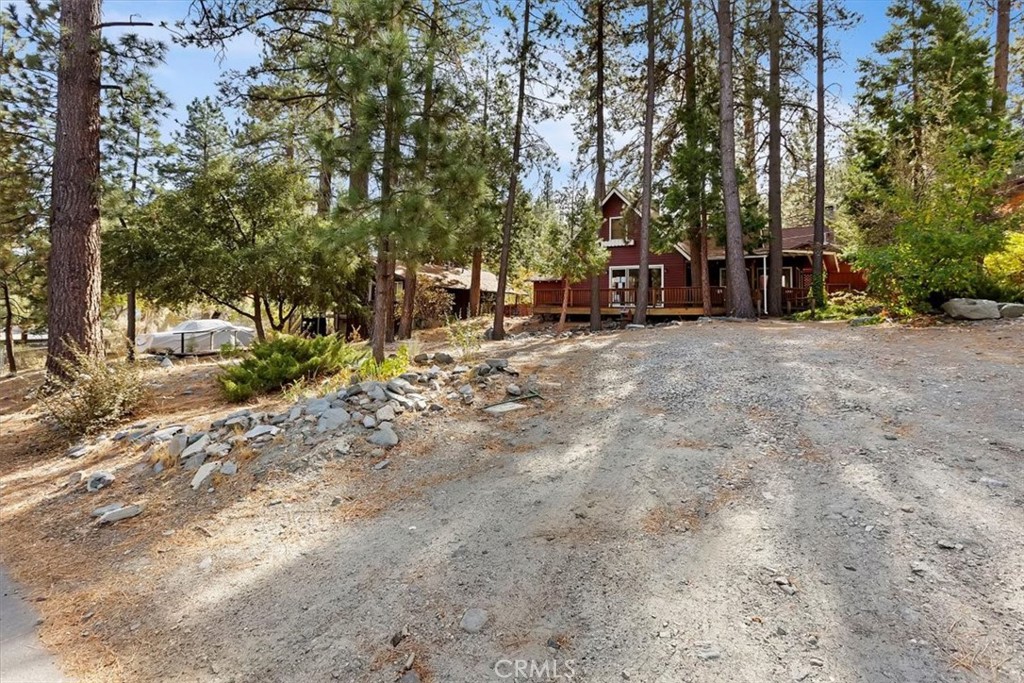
(710, 502)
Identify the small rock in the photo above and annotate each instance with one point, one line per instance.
(317, 406)
(708, 654)
(331, 419)
(382, 465)
(971, 309)
(483, 370)
(342, 446)
(203, 474)
(410, 676)
(176, 446)
(98, 481)
(77, 452)
(513, 390)
(261, 430)
(370, 421)
(504, 408)
(206, 563)
(166, 362)
(119, 514)
(497, 363)
(993, 483)
(99, 512)
(442, 358)
(473, 620)
(386, 413)
(907, 508)
(229, 468)
(197, 446)
(814, 661)
(75, 477)
(421, 358)
(1011, 310)
(384, 436)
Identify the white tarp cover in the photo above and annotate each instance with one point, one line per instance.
(194, 337)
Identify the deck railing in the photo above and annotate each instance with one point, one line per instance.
(794, 298)
(659, 297)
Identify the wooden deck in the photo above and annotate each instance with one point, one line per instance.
(665, 301)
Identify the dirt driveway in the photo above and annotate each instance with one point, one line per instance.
(711, 502)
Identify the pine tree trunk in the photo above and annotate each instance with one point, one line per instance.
(389, 335)
(74, 270)
(705, 276)
(378, 332)
(817, 258)
(1002, 59)
(565, 304)
(131, 323)
(741, 303)
(474, 282)
(407, 323)
(698, 255)
(775, 159)
(498, 332)
(600, 181)
(647, 176)
(12, 364)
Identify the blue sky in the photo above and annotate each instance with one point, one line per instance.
(193, 72)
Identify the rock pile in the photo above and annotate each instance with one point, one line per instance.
(361, 417)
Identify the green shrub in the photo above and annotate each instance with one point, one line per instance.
(389, 368)
(93, 393)
(283, 360)
(463, 336)
(844, 306)
(1006, 268)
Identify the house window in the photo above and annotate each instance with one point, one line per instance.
(624, 282)
(788, 279)
(617, 229)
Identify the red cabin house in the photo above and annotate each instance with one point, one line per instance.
(671, 285)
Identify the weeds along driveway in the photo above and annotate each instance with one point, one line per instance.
(713, 502)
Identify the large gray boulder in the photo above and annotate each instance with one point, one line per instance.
(971, 309)
(1011, 310)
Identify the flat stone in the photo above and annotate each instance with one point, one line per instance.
(332, 419)
(198, 446)
(385, 436)
(77, 452)
(400, 386)
(203, 474)
(217, 450)
(230, 468)
(177, 445)
(381, 465)
(120, 513)
(708, 654)
(317, 406)
(971, 309)
(376, 392)
(993, 483)
(260, 430)
(385, 414)
(195, 461)
(75, 477)
(1011, 310)
(98, 481)
(295, 413)
(99, 512)
(497, 363)
(474, 620)
(166, 433)
(502, 408)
